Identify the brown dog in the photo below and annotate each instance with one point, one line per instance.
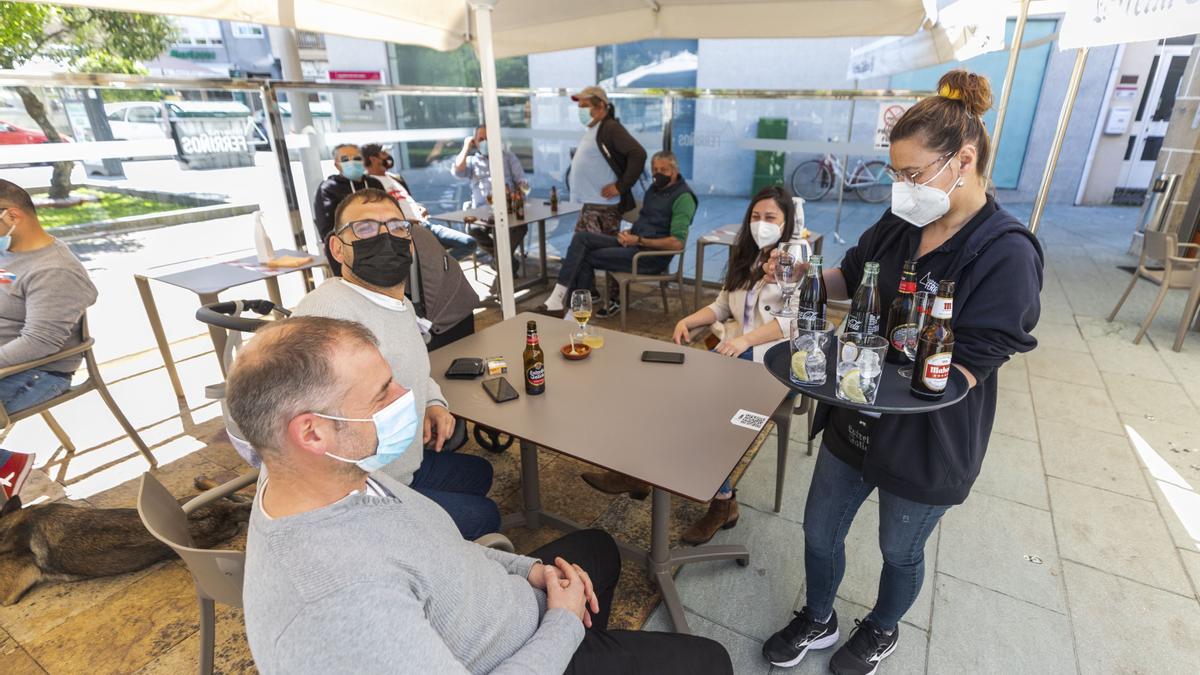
(60, 542)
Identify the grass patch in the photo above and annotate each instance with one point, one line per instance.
(111, 205)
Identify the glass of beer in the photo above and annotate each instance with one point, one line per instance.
(581, 311)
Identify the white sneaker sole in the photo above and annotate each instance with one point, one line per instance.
(824, 643)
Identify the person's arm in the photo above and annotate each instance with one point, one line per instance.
(515, 564)
(459, 168)
(768, 332)
(635, 156)
(704, 316)
(55, 300)
(516, 172)
(323, 208)
(835, 284)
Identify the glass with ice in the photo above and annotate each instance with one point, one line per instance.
(860, 366)
(809, 340)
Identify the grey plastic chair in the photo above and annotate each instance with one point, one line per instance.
(218, 574)
(1178, 272)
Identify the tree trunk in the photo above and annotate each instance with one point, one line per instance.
(60, 181)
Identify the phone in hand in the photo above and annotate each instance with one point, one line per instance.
(499, 389)
(662, 357)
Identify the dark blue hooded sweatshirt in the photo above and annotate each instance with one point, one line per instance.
(996, 264)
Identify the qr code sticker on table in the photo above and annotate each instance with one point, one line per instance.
(749, 420)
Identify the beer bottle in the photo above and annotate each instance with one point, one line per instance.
(535, 362)
(553, 199)
(864, 308)
(898, 328)
(812, 296)
(935, 347)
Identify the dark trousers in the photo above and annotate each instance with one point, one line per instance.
(459, 483)
(590, 251)
(606, 651)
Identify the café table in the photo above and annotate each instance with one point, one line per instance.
(669, 425)
(536, 211)
(724, 236)
(208, 281)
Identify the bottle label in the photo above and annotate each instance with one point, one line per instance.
(943, 308)
(903, 333)
(807, 315)
(908, 287)
(531, 339)
(854, 324)
(536, 375)
(937, 371)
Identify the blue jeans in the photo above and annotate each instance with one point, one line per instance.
(834, 497)
(31, 387)
(459, 483)
(460, 244)
(590, 251)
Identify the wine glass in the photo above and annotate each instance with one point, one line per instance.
(922, 305)
(526, 188)
(789, 268)
(581, 311)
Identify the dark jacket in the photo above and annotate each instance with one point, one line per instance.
(436, 285)
(625, 155)
(934, 458)
(330, 193)
(654, 220)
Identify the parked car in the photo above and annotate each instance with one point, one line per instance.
(11, 134)
(133, 121)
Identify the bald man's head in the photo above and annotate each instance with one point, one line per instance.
(286, 370)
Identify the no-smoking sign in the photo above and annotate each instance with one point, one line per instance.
(889, 114)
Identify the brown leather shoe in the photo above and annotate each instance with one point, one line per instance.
(722, 515)
(616, 483)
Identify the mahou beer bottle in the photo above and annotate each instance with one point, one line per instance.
(864, 309)
(935, 347)
(811, 298)
(898, 327)
(535, 362)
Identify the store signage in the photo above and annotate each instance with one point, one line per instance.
(355, 76)
(212, 143)
(1091, 23)
(194, 54)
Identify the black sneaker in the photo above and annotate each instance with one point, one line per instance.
(787, 647)
(867, 647)
(613, 308)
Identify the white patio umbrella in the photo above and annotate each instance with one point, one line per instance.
(500, 28)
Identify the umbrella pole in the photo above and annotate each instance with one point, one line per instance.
(1009, 73)
(491, 120)
(1064, 117)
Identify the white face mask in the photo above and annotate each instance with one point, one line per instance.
(765, 234)
(921, 204)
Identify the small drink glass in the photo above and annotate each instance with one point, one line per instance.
(809, 340)
(860, 366)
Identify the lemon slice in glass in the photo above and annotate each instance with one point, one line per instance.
(851, 387)
(800, 365)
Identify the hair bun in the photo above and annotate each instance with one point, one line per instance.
(971, 89)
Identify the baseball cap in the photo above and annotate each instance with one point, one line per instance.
(591, 92)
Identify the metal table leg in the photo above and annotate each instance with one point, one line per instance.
(219, 338)
(164, 348)
(542, 250)
(532, 515)
(273, 291)
(663, 558)
(699, 283)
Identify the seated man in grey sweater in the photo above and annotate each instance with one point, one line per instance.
(44, 291)
(350, 571)
(371, 240)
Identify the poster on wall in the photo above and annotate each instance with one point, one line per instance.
(889, 113)
(1092, 23)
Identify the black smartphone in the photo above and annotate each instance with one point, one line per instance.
(662, 357)
(499, 389)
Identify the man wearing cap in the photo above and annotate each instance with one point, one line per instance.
(606, 165)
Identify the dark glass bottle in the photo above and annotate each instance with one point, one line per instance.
(935, 347)
(898, 327)
(810, 302)
(535, 362)
(864, 308)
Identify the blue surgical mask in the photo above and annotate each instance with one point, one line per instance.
(353, 169)
(483, 148)
(585, 116)
(395, 428)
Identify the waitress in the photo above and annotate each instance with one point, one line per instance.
(943, 217)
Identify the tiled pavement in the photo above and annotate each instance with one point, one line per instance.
(1078, 550)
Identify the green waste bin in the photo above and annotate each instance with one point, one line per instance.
(768, 165)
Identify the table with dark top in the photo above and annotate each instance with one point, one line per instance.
(669, 425)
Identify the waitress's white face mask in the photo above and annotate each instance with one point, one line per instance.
(921, 204)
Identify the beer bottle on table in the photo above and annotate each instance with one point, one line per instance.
(553, 199)
(535, 362)
(935, 347)
(898, 327)
(810, 303)
(864, 308)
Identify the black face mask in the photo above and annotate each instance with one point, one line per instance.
(389, 163)
(661, 180)
(382, 260)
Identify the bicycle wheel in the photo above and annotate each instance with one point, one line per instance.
(872, 183)
(812, 180)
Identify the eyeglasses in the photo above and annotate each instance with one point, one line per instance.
(912, 176)
(365, 229)
(348, 158)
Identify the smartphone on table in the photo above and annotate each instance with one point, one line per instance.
(499, 389)
(662, 357)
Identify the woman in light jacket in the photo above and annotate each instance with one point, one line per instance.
(741, 316)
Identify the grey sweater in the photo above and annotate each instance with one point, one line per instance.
(399, 340)
(388, 585)
(41, 308)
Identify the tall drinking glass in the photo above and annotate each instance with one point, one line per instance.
(860, 366)
(789, 270)
(921, 307)
(810, 339)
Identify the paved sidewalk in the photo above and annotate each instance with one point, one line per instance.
(1079, 548)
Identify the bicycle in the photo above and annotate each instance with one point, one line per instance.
(814, 178)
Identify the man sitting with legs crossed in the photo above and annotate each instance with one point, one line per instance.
(662, 225)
